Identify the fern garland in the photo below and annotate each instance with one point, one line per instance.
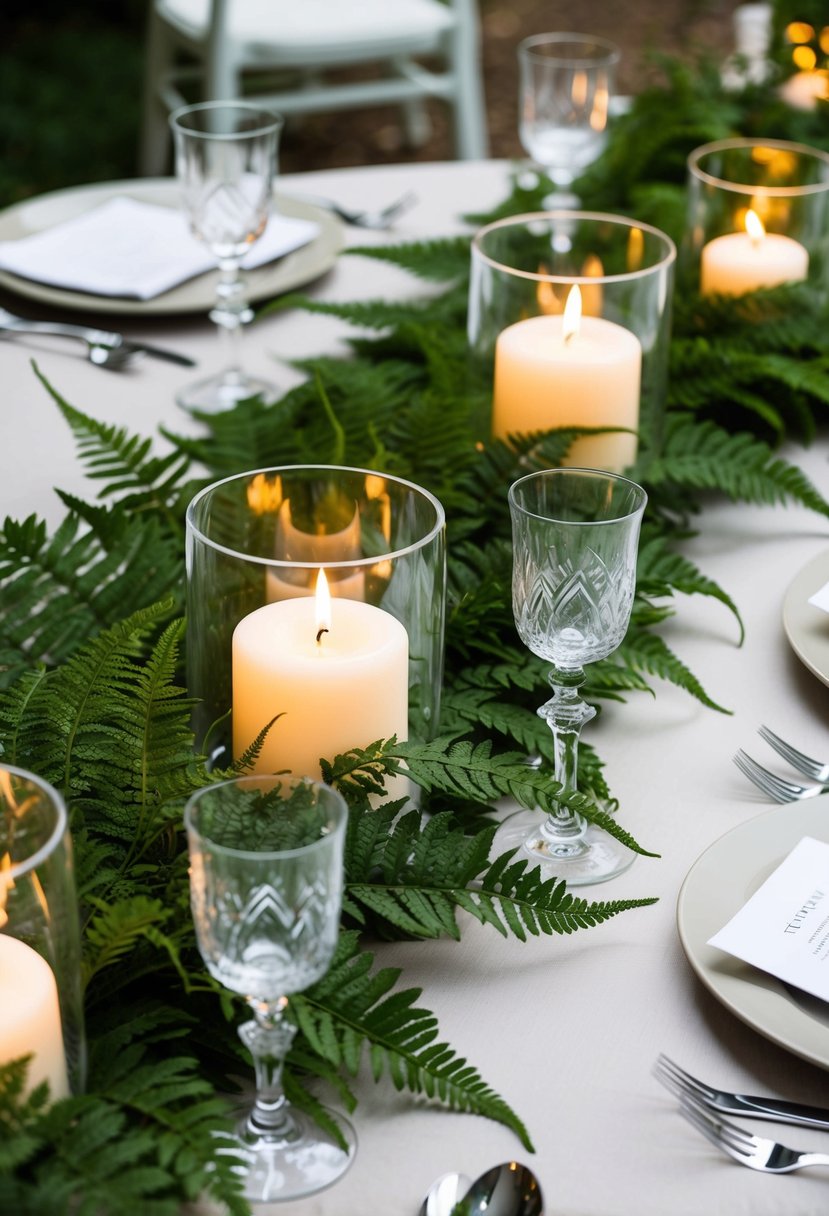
(94, 701)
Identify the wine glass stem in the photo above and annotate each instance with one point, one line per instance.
(565, 713)
(268, 1038)
(230, 313)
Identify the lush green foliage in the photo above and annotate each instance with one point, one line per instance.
(96, 704)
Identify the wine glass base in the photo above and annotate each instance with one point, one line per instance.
(593, 857)
(281, 1169)
(222, 392)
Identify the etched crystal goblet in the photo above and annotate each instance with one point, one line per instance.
(266, 881)
(225, 163)
(575, 538)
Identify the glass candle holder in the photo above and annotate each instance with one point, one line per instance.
(569, 321)
(41, 1000)
(758, 216)
(340, 665)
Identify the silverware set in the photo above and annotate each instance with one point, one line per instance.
(780, 788)
(706, 1109)
(104, 348)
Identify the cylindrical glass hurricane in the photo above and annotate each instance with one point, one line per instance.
(758, 216)
(41, 999)
(260, 641)
(569, 322)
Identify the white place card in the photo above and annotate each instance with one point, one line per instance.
(134, 249)
(821, 598)
(784, 927)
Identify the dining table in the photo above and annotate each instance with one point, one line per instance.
(565, 1028)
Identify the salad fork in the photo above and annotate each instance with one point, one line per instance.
(681, 1083)
(375, 219)
(798, 760)
(757, 1152)
(778, 788)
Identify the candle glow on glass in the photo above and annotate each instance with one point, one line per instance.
(746, 261)
(333, 672)
(570, 370)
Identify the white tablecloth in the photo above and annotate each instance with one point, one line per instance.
(566, 1029)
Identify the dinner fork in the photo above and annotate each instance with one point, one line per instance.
(757, 1152)
(798, 760)
(681, 1083)
(778, 788)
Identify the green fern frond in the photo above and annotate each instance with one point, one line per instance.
(441, 261)
(352, 1012)
(703, 456)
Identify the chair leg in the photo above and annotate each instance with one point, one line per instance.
(154, 148)
(417, 125)
(471, 142)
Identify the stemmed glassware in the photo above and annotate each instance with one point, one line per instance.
(226, 155)
(266, 881)
(566, 82)
(575, 538)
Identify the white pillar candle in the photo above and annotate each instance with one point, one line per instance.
(334, 690)
(30, 1016)
(746, 261)
(570, 371)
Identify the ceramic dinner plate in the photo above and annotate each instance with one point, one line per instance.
(806, 626)
(196, 295)
(718, 884)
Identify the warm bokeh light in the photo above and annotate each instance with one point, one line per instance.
(799, 31)
(804, 58)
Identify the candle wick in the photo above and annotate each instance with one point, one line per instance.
(569, 336)
(320, 632)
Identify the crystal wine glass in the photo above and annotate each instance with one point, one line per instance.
(266, 881)
(226, 162)
(575, 538)
(565, 85)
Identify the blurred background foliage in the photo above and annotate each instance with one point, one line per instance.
(71, 82)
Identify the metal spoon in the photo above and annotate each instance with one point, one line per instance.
(444, 1193)
(510, 1189)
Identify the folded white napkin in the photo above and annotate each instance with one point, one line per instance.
(133, 249)
(821, 598)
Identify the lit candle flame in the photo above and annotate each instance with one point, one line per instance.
(322, 606)
(571, 321)
(754, 227)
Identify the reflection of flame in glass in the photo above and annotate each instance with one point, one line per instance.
(376, 490)
(578, 92)
(263, 494)
(592, 294)
(635, 249)
(545, 293)
(11, 809)
(571, 321)
(322, 605)
(601, 104)
(5, 886)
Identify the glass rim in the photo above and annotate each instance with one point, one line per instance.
(611, 51)
(579, 473)
(535, 276)
(778, 145)
(339, 813)
(281, 563)
(273, 121)
(55, 800)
